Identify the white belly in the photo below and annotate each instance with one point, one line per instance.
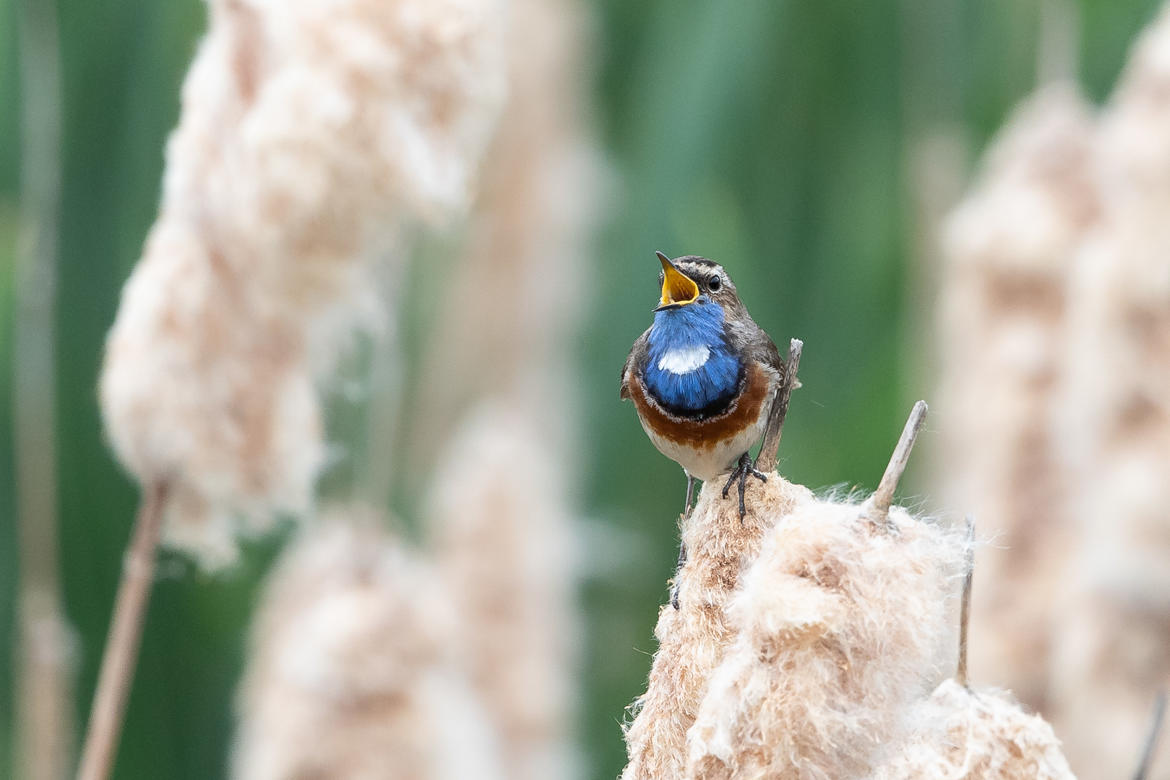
(706, 463)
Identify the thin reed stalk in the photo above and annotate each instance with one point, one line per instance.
(878, 507)
(770, 447)
(965, 606)
(121, 653)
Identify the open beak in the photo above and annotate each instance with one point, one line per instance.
(678, 289)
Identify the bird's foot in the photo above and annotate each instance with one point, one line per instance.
(741, 472)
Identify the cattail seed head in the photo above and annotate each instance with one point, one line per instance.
(206, 390)
(693, 639)
(1010, 248)
(312, 134)
(839, 628)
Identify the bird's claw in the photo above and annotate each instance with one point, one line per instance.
(741, 472)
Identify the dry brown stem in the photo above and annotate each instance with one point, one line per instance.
(877, 508)
(769, 450)
(121, 653)
(965, 605)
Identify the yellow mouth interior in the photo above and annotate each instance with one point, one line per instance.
(677, 287)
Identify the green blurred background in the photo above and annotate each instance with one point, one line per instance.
(780, 138)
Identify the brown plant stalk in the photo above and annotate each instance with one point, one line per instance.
(121, 653)
(965, 605)
(769, 450)
(877, 508)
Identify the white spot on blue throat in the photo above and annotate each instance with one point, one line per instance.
(691, 368)
(684, 360)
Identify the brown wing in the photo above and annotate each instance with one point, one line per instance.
(755, 344)
(636, 358)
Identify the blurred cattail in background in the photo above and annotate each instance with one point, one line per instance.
(354, 670)
(514, 300)
(312, 134)
(496, 373)
(1008, 251)
(1058, 426)
(503, 545)
(1113, 638)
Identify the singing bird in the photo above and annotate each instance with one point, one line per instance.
(704, 376)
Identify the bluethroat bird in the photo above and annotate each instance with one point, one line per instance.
(704, 376)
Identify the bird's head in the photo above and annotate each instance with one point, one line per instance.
(692, 281)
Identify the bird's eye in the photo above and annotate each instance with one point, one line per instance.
(713, 283)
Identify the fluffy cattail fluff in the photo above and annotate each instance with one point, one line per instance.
(311, 132)
(1009, 249)
(205, 388)
(693, 639)
(1114, 635)
(352, 673)
(977, 735)
(839, 627)
(503, 547)
(312, 128)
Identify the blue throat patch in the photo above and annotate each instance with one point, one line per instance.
(693, 326)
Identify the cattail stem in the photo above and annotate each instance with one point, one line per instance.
(965, 605)
(878, 509)
(1151, 742)
(766, 460)
(118, 661)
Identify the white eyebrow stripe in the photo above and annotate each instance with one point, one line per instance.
(684, 360)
